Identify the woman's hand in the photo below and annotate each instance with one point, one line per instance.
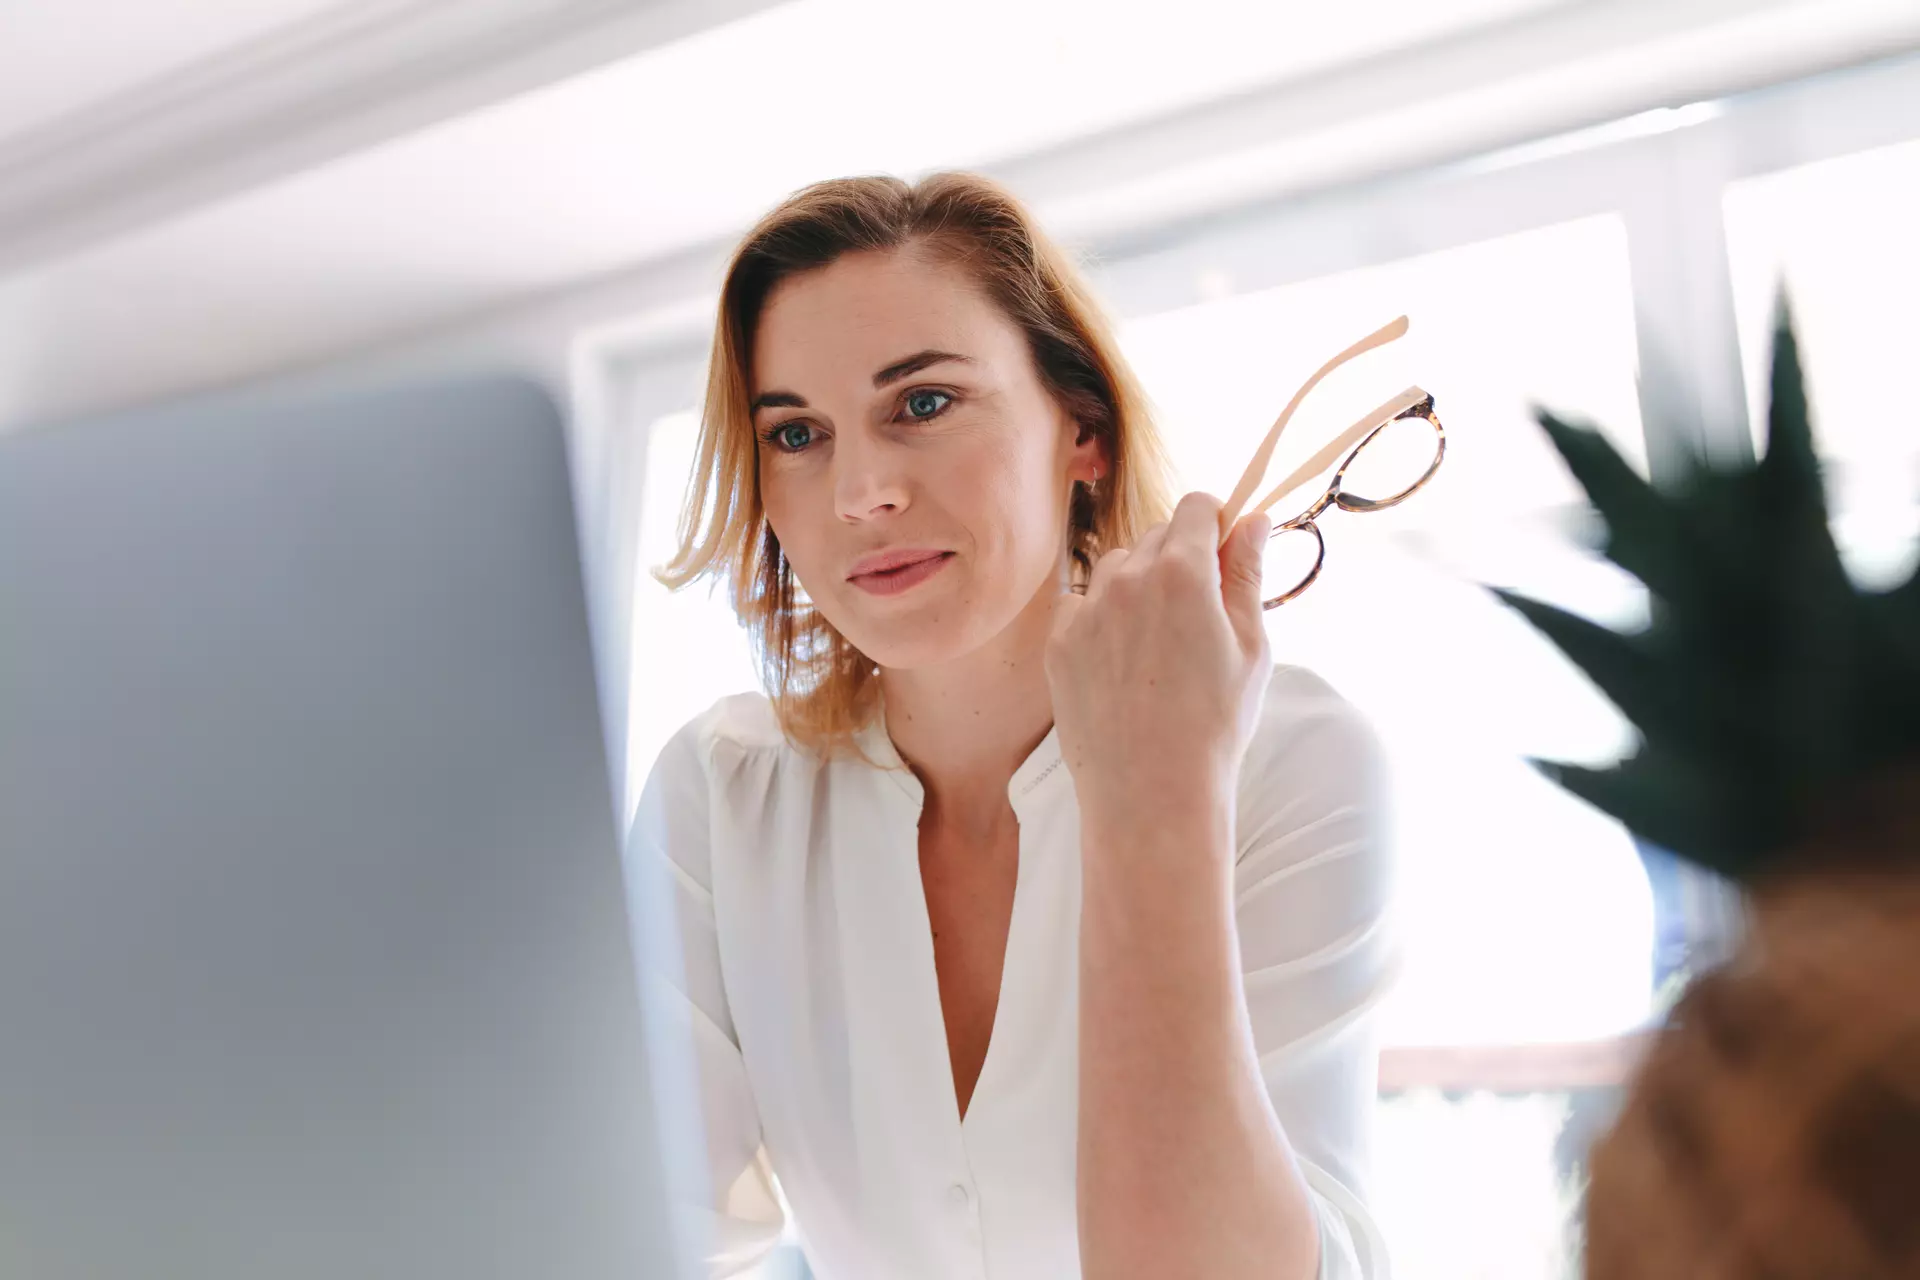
(1158, 672)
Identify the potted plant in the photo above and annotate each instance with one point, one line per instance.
(1773, 1127)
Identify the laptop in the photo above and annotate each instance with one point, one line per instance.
(315, 953)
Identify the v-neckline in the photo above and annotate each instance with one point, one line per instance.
(1041, 763)
(996, 1014)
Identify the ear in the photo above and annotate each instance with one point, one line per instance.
(1087, 456)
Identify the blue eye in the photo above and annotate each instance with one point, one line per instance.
(793, 437)
(917, 401)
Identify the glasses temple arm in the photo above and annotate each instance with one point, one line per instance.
(1322, 460)
(1264, 454)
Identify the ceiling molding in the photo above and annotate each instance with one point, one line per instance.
(661, 310)
(1559, 71)
(347, 78)
(1134, 199)
(1118, 196)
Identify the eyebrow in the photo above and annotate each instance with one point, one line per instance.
(892, 373)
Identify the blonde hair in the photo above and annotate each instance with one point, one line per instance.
(823, 689)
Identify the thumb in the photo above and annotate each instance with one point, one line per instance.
(1240, 570)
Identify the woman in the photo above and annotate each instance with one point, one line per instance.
(1113, 1019)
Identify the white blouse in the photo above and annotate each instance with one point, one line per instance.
(819, 1041)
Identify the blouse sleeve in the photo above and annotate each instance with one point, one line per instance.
(1311, 890)
(734, 1212)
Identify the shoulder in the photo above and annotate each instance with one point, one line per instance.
(1303, 714)
(737, 725)
(711, 749)
(710, 766)
(1312, 748)
(1313, 814)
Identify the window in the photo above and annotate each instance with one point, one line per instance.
(1527, 916)
(1839, 234)
(688, 648)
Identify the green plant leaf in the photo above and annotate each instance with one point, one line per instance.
(1629, 669)
(1641, 528)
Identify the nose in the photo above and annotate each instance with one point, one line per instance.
(869, 480)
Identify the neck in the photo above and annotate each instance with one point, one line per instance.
(966, 726)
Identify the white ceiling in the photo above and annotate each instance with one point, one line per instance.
(641, 158)
(620, 166)
(60, 56)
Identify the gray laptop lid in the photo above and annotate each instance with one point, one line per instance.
(314, 952)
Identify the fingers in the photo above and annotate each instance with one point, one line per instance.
(1191, 529)
(1147, 545)
(1240, 562)
(1186, 548)
(1182, 553)
(1105, 568)
(1195, 527)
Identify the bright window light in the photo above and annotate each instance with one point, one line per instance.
(1527, 916)
(688, 648)
(1840, 235)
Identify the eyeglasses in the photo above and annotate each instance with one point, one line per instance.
(1387, 468)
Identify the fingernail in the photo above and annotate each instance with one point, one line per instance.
(1259, 528)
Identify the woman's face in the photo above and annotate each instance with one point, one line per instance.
(913, 466)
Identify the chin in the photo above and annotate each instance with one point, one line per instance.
(906, 643)
(920, 653)
(929, 633)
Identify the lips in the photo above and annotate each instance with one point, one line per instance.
(892, 572)
(891, 561)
